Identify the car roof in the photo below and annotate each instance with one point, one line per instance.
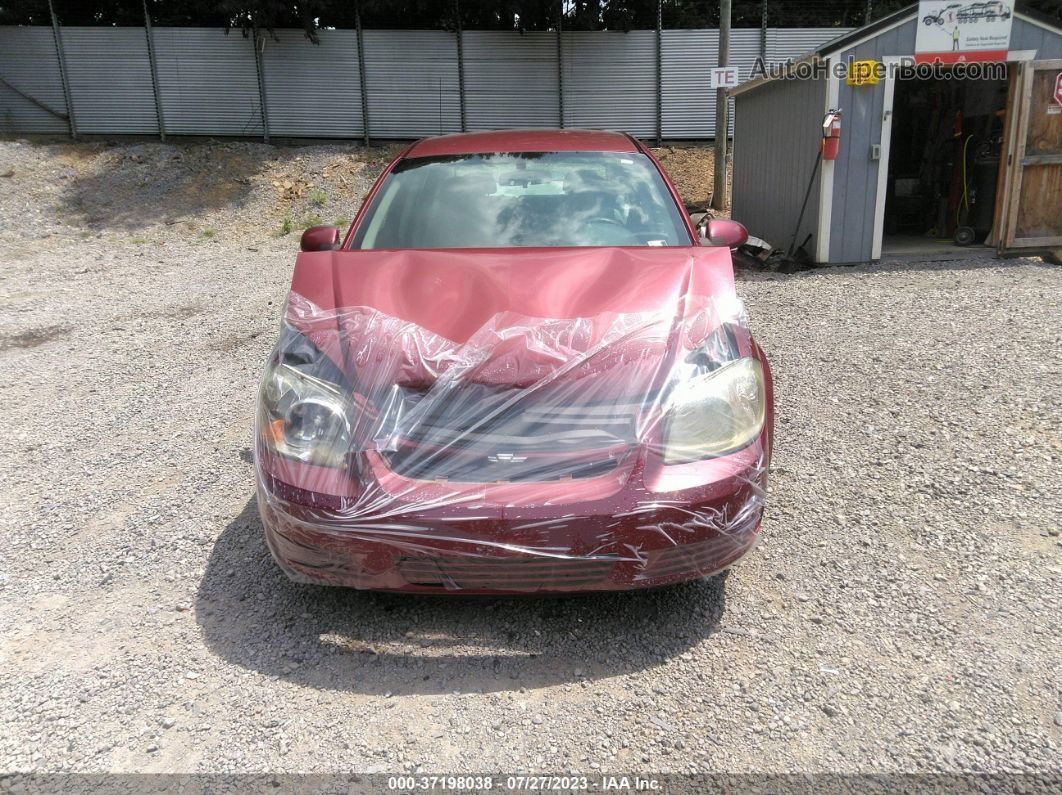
(523, 141)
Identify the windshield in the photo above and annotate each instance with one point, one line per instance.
(523, 200)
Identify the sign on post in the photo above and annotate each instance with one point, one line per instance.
(724, 77)
(1056, 108)
(959, 32)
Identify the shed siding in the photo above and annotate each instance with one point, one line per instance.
(855, 174)
(776, 143)
(1027, 36)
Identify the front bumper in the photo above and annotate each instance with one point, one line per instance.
(645, 527)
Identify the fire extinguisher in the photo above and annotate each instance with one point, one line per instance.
(831, 134)
(828, 150)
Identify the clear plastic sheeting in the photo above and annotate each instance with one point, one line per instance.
(468, 440)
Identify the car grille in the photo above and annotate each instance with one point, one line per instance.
(703, 556)
(487, 434)
(505, 574)
(690, 557)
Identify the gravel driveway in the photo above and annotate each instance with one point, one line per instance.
(902, 613)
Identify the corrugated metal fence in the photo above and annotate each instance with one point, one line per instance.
(209, 82)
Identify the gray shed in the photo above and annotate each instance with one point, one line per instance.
(926, 160)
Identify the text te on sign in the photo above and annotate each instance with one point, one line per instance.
(724, 77)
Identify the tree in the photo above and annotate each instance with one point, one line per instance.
(311, 15)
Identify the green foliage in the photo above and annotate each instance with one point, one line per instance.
(313, 219)
(311, 15)
(285, 227)
(319, 197)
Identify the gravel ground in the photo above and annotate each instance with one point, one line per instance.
(901, 614)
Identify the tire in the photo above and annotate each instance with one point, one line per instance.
(964, 236)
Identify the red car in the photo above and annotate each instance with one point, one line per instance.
(523, 370)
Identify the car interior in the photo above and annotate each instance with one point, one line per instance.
(524, 200)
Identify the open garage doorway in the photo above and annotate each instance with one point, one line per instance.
(945, 150)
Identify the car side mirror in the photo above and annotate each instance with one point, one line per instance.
(320, 238)
(723, 232)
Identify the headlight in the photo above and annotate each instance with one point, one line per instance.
(303, 417)
(715, 413)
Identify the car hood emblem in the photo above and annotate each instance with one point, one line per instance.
(507, 458)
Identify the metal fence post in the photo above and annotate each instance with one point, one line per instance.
(460, 66)
(722, 126)
(560, 63)
(259, 45)
(763, 33)
(659, 70)
(62, 70)
(154, 72)
(361, 75)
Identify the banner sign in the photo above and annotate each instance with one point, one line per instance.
(951, 32)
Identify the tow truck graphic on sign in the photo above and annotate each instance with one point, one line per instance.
(955, 32)
(957, 13)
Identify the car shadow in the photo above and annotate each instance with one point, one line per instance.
(251, 615)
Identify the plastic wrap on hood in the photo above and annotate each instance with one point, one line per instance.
(473, 441)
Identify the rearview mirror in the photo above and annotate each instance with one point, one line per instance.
(724, 232)
(320, 238)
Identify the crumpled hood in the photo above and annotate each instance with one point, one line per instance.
(510, 317)
(470, 368)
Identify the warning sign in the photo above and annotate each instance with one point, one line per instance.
(951, 32)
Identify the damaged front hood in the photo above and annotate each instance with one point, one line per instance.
(510, 317)
(502, 419)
